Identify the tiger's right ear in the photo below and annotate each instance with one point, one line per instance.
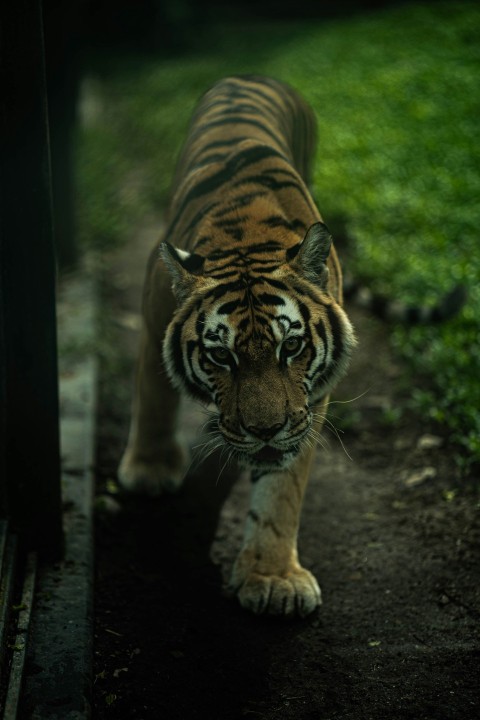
(184, 268)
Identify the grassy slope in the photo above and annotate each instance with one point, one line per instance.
(396, 95)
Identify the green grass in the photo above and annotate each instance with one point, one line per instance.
(397, 100)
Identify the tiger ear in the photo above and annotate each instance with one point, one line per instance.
(184, 267)
(309, 258)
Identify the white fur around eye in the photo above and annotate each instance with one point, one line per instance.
(287, 325)
(216, 357)
(290, 355)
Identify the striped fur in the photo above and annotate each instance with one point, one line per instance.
(255, 325)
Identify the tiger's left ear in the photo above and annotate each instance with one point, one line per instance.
(184, 267)
(309, 258)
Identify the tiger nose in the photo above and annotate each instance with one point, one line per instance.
(265, 433)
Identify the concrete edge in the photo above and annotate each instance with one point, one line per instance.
(58, 676)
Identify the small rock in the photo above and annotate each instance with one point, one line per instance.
(420, 476)
(429, 442)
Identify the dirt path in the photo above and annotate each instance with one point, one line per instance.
(390, 532)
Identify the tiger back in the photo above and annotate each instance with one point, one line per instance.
(243, 310)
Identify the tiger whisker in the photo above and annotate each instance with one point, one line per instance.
(336, 431)
(320, 439)
(331, 428)
(329, 423)
(231, 452)
(205, 433)
(204, 450)
(345, 402)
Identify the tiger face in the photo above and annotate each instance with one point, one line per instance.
(263, 347)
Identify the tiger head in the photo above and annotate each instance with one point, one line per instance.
(259, 335)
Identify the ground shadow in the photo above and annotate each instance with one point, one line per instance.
(184, 647)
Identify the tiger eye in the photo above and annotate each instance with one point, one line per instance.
(220, 354)
(291, 345)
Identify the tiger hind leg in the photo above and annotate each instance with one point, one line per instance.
(156, 458)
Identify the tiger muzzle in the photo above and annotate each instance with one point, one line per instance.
(265, 433)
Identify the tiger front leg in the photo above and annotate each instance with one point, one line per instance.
(156, 459)
(267, 576)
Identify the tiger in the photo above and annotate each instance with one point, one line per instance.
(242, 310)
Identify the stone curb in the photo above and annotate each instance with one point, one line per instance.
(58, 677)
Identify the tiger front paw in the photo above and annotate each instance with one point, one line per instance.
(152, 477)
(296, 593)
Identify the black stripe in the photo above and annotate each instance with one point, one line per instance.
(202, 241)
(321, 331)
(223, 143)
(215, 144)
(305, 292)
(265, 268)
(268, 299)
(240, 161)
(246, 91)
(320, 328)
(223, 275)
(223, 254)
(195, 220)
(209, 159)
(235, 233)
(270, 182)
(336, 333)
(228, 307)
(241, 107)
(276, 283)
(240, 120)
(275, 221)
(199, 385)
(255, 90)
(267, 246)
(292, 252)
(216, 292)
(248, 108)
(240, 202)
(228, 222)
(199, 324)
(176, 346)
(260, 320)
(305, 313)
(296, 324)
(213, 336)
